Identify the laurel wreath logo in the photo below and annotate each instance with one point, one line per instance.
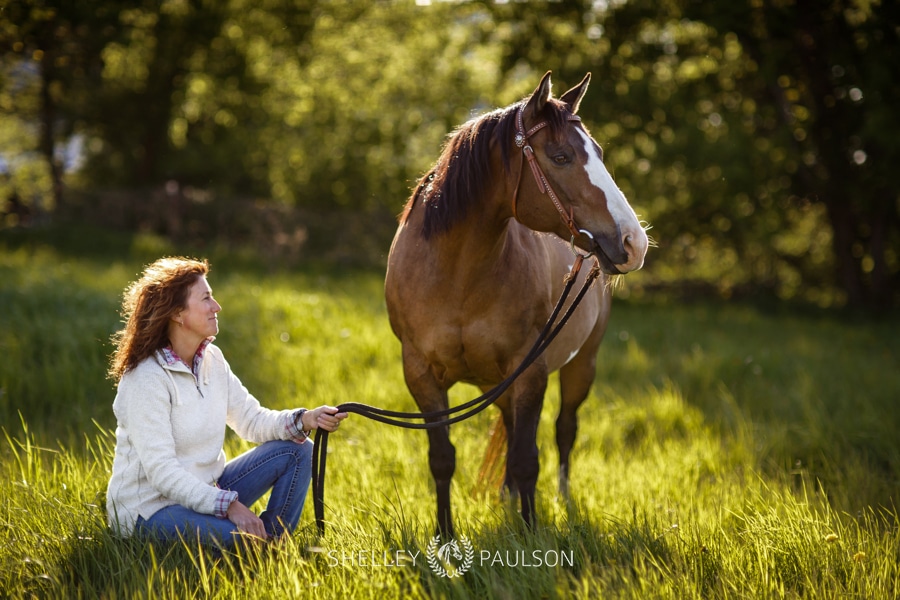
(439, 555)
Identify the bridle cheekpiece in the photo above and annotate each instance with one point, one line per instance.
(543, 184)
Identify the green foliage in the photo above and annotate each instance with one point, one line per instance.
(760, 153)
(724, 451)
(26, 175)
(361, 117)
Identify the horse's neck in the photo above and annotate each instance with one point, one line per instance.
(479, 244)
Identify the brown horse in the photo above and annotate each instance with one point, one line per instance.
(478, 261)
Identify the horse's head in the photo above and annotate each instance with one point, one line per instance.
(578, 196)
(449, 549)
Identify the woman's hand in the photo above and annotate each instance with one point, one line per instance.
(246, 520)
(326, 417)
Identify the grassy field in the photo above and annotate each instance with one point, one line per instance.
(725, 452)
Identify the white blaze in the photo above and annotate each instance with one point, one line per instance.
(618, 207)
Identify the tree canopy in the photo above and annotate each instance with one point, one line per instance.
(756, 136)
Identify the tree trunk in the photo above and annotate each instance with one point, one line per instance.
(881, 225)
(849, 273)
(47, 142)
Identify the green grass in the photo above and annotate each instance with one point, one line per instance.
(725, 452)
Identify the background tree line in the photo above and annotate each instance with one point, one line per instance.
(756, 136)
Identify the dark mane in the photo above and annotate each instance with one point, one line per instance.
(462, 172)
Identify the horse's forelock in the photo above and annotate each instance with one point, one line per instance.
(557, 115)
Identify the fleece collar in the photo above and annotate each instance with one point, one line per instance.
(170, 361)
(171, 358)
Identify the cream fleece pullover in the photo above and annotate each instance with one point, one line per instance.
(170, 435)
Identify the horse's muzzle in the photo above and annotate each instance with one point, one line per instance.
(606, 265)
(607, 262)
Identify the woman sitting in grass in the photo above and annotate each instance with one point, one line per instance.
(176, 394)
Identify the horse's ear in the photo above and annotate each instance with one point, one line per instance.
(573, 97)
(540, 95)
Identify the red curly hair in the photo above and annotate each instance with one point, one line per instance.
(147, 307)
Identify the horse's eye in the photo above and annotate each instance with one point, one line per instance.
(560, 159)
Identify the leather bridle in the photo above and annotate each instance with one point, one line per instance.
(540, 179)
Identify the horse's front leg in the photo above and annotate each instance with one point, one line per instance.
(575, 380)
(523, 464)
(430, 397)
(442, 460)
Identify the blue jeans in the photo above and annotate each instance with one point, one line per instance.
(285, 467)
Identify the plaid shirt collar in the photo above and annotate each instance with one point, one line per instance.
(172, 358)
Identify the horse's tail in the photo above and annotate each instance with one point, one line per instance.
(493, 466)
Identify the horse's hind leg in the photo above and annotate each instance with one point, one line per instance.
(506, 414)
(575, 380)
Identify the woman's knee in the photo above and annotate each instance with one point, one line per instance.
(298, 448)
(302, 452)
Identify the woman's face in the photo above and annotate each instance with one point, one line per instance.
(199, 318)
